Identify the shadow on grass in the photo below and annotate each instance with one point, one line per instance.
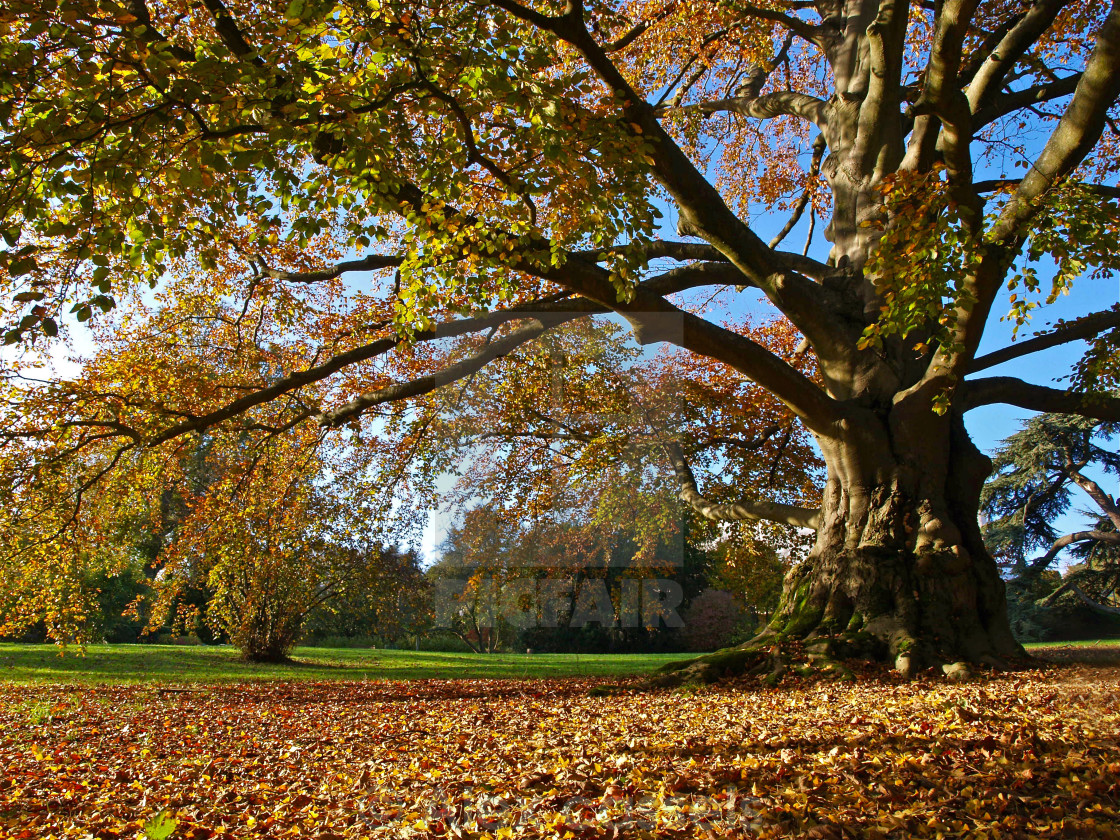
(168, 663)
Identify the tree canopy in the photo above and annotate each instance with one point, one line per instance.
(350, 210)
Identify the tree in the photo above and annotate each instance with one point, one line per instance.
(501, 169)
(271, 547)
(713, 620)
(1036, 474)
(389, 601)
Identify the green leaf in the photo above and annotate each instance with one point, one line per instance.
(160, 826)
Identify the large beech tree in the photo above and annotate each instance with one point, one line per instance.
(500, 169)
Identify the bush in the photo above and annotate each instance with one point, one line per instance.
(443, 643)
(349, 642)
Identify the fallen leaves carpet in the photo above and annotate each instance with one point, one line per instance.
(1029, 754)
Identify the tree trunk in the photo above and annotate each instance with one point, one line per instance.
(899, 571)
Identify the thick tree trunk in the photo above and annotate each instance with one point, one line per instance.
(898, 570)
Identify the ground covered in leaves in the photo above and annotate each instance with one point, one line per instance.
(1028, 754)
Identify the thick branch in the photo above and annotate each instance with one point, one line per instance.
(989, 78)
(703, 212)
(813, 34)
(1043, 561)
(1016, 99)
(452, 373)
(1074, 137)
(153, 36)
(938, 102)
(1076, 133)
(370, 263)
(1077, 330)
(230, 33)
(656, 319)
(638, 30)
(747, 509)
(675, 280)
(1103, 500)
(1011, 183)
(1012, 391)
(1089, 602)
(301, 378)
(768, 106)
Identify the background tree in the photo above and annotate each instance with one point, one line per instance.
(504, 167)
(1039, 473)
(715, 619)
(271, 546)
(388, 602)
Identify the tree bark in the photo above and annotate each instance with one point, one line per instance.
(899, 571)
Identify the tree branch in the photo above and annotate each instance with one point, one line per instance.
(230, 33)
(299, 379)
(819, 147)
(813, 34)
(1012, 391)
(750, 445)
(1077, 131)
(989, 77)
(1104, 500)
(1076, 330)
(639, 29)
(767, 106)
(703, 211)
(1073, 138)
(370, 263)
(1070, 585)
(1010, 183)
(153, 36)
(1016, 99)
(452, 373)
(941, 102)
(745, 510)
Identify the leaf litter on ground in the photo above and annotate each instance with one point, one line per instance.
(1033, 753)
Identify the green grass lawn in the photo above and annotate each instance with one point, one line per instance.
(177, 664)
(174, 664)
(1081, 643)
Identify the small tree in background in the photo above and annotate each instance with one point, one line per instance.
(268, 542)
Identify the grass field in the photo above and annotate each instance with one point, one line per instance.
(1081, 643)
(202, 664)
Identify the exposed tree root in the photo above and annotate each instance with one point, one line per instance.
(767, 658)
(771, 657)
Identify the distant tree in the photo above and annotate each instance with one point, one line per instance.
(268, 542)
(387, 599)
(751, 564)
(1039, 474)
(715, 619)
